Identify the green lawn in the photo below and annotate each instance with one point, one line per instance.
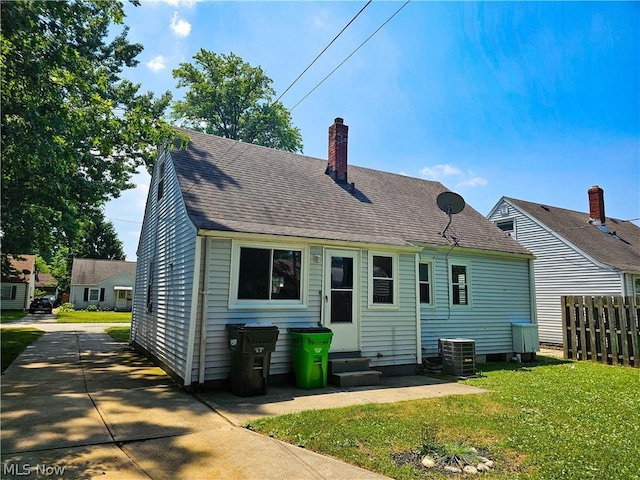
(13, 341)
(8, 316)
(81, 316)
(551, 420)
(119, 334)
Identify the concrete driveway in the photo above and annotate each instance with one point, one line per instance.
(78, 405)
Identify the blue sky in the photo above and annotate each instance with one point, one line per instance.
(537, 101)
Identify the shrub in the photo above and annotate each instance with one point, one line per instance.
(67, 307)
(92, 308)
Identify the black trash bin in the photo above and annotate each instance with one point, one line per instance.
(251, 345)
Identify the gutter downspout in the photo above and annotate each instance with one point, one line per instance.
(193, 315)
(532, 290)
(418, 313)
(203, 311)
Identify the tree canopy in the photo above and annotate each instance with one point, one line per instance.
(228, 97)
(73, 131)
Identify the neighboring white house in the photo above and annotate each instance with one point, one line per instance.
(18, 289)
(235, 232)
(103, 283)
(576, 253)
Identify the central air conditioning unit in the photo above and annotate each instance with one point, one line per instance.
(458, 356)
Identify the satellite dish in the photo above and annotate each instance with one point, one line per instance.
(450, 203)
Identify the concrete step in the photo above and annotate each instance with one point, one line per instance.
(354, 364)
(355, 379)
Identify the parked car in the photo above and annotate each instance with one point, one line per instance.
(41, 305)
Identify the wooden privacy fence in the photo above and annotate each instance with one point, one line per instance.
(601, 329)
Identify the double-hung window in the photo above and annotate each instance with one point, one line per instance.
(425, 282)
(383, 275)
(460, 284)
(271, 275)
(94, 294)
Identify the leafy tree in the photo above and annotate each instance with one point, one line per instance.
(228, 97)
(99, 240)
(61, 268)
(41, 265)
(73, 131)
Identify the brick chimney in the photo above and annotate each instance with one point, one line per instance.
(596, 205)
(338, 136)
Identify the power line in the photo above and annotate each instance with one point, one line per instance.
(350, 55)
(323, 50)
(122, 220)
(219, 163)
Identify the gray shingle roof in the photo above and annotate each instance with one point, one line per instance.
(241, 187)
(622, 253)
(92, 271)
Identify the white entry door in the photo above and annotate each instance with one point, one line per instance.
(341, 299)
(121, 299)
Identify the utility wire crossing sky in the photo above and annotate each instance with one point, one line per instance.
(532, 100)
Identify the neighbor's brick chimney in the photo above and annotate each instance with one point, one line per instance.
(338, 136)
(596, 204)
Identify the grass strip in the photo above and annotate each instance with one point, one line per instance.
(119, 334)
(82, 316)
(13, 341)
(548, 420)
(8, 316)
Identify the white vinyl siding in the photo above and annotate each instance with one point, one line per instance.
(218, 288)
(102, 294)
(500, 295)
(559, 269)
(20, 300)
(389, 336)
(167, 239)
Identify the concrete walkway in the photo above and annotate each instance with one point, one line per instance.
(78, 405)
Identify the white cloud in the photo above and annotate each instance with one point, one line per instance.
(473, 182)
(180, 27)
(157, 63)
(174, 3)
(439, 171)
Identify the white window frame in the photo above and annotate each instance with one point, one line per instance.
(454, 262)
(244, 304)
(430, 262)
(394, 279)
(91, 290)
(512, 233)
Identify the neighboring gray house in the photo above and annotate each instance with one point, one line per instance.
(108, 284)
(576, 253)
(18, 290)
(235, 232)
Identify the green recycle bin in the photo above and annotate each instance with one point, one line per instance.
(251, 345)
(310, 355)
